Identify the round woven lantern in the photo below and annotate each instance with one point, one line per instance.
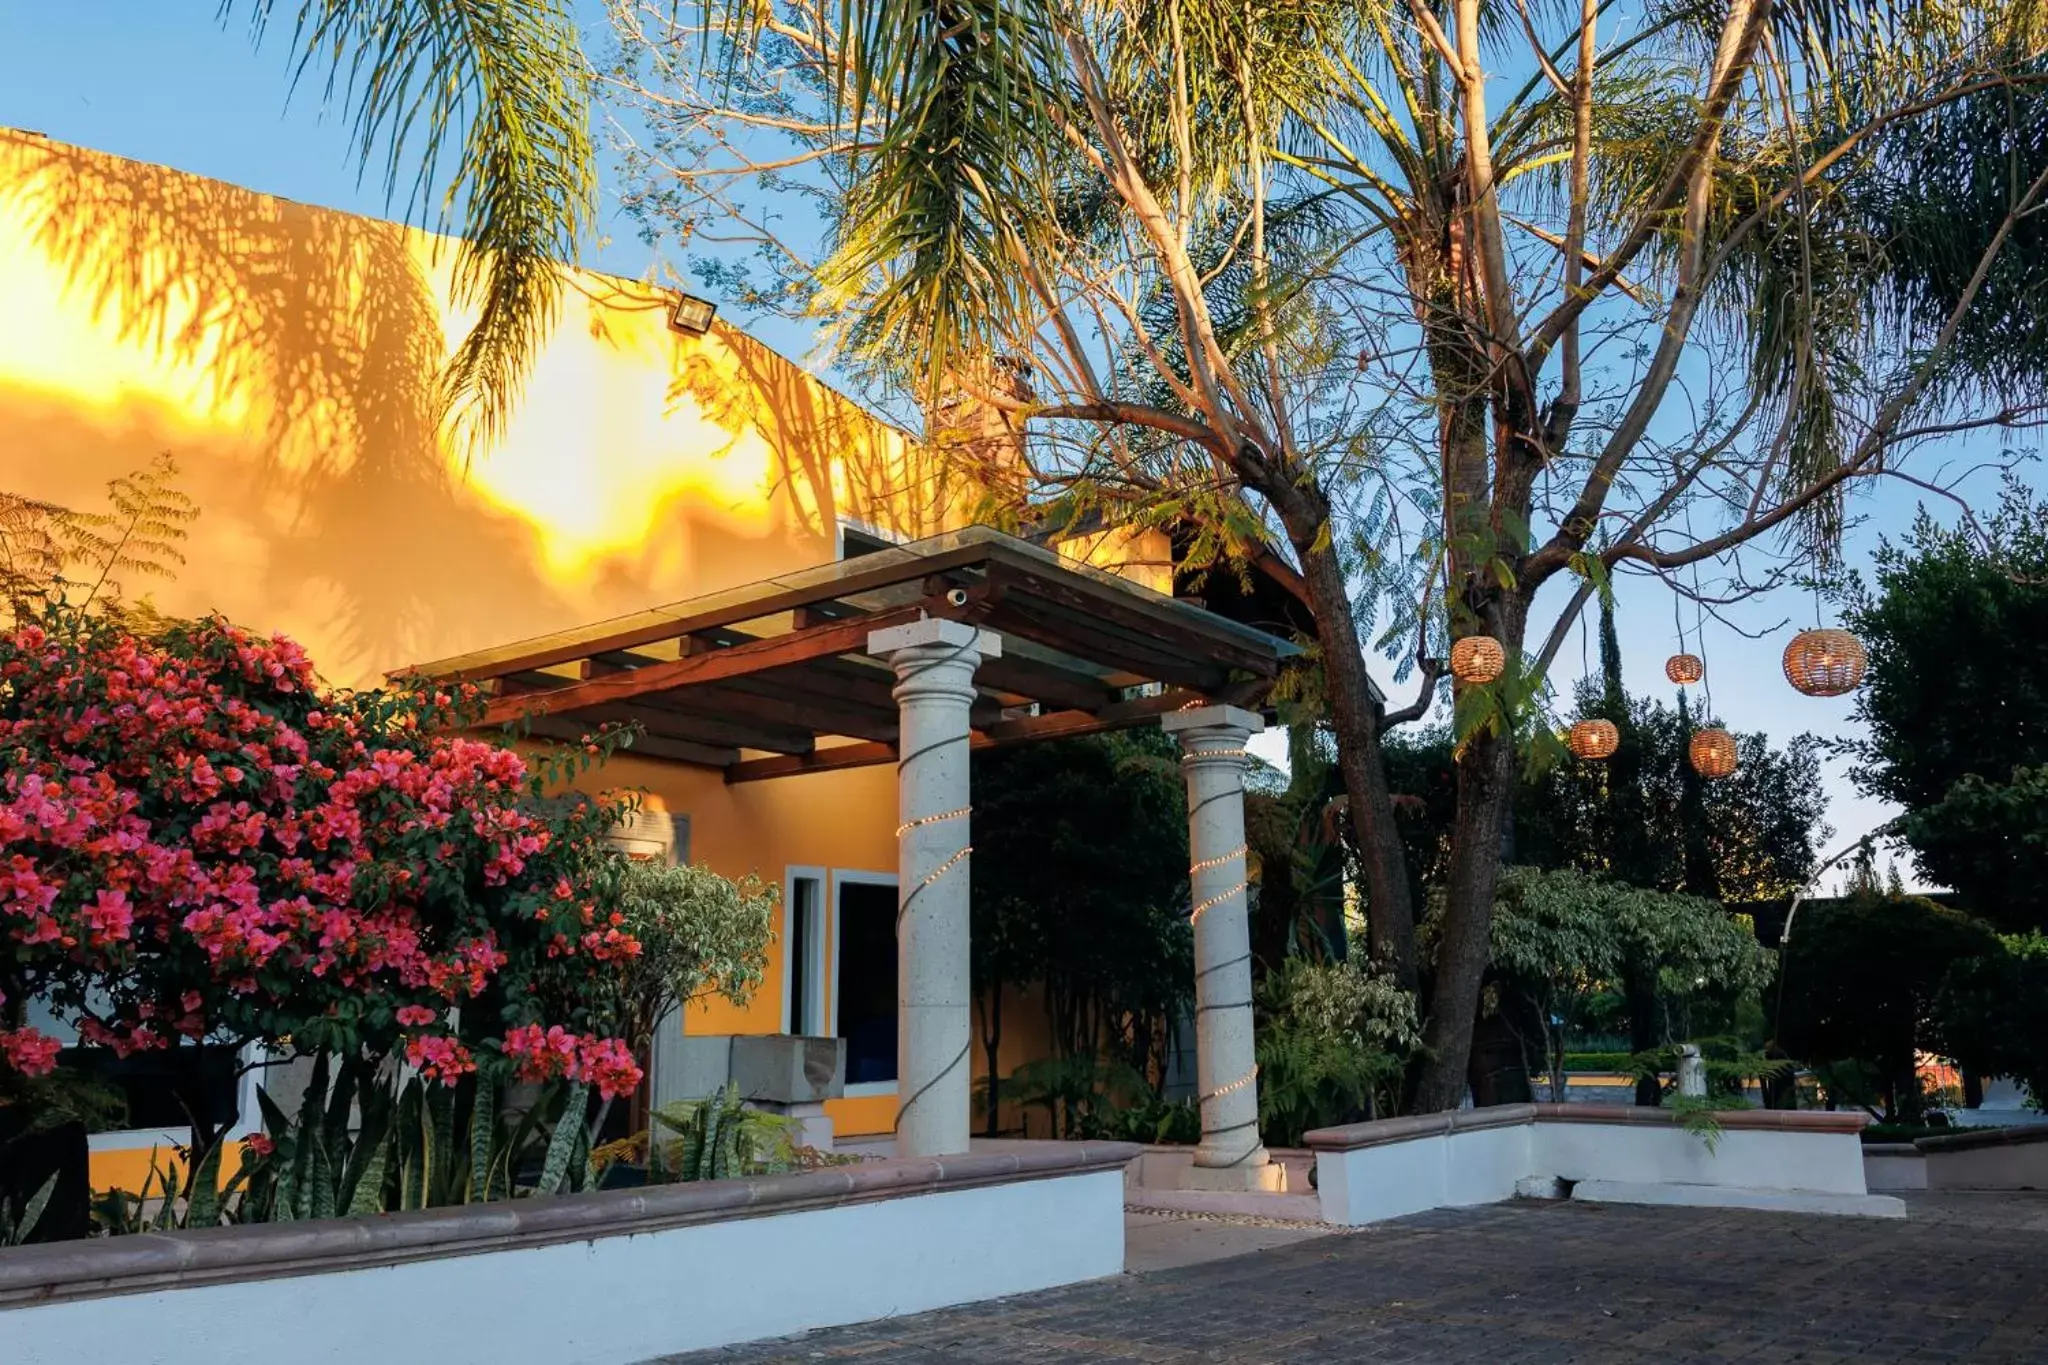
(1712, 752)
(1685, 668)
(1593, 740)
(1824, 663)
(1478, 659)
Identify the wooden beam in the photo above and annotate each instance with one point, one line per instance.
(754, 657)
(1154, 659)
(1043, 682)
(1162, 626)
(686, 618)
(663, 718)
(1116, 716)
(681, 751)
(784, 694)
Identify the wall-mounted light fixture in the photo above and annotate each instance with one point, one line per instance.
(692, 316)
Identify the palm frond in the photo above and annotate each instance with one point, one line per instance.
(490, 100)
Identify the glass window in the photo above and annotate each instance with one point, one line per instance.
(866, 987)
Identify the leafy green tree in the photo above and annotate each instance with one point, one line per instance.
(1332, 1040)
(699, 934)
(1956, 702)
(1400, 335)
(1991, 1013)
(1562, 937)
(1858, 986)
(1080, 883)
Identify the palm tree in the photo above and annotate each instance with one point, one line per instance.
(479, 111)
(1290, 276)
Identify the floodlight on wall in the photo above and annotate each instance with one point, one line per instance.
(692, 316)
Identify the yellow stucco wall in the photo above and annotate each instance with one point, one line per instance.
(287, 357)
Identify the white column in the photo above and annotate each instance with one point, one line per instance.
(934, 662)
(1213, 758)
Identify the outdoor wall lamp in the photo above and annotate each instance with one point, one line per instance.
(691, 316)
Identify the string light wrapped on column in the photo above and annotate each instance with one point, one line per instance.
(1712, 752)
(1594, 740)
(1478, 659)
(1685, 669)
(1824, 663)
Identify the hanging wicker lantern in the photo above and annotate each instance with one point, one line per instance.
(1712, 752)
(1824, 663)
(1685, 668)
(1478, 659)
(1594, 740)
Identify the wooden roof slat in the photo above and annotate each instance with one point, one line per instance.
(1118, 716)
(1152, 659)
(789, 706)
(681, 751)
(663, 718)
(1177, 631)
(1058, 687)
(752, 657)
(751, 602)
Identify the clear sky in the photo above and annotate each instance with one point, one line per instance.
(162, 81)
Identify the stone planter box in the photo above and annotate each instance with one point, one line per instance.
(594, 1279)
(1763, 1159)
(1994, 1159)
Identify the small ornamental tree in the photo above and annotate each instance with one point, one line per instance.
(199, 842)
(1561, 937)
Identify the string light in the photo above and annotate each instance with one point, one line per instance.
(1216, 900)
(1191, 755)
(1217, 861)
(1240, 1083)
(923, 820)
(947, 866)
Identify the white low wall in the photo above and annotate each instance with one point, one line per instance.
(1894, 1166)
(1761, 1159)
(735, 1261)
(2013, 1159)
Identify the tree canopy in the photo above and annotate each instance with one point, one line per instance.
(1957, 714)
(1859, 981)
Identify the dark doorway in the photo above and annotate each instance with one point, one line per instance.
(866, 989)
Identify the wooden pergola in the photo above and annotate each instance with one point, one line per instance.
(774, 678)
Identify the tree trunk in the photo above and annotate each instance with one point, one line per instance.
(1639, 987)
(1355, 717)
(1499, 1069)
(991, 1004)
(1484, 773)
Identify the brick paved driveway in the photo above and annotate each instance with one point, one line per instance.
(1965, 1278)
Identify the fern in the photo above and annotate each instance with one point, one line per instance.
(51, 551)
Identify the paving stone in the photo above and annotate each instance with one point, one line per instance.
(1963, 1279)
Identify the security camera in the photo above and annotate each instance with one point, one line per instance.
(956, 597)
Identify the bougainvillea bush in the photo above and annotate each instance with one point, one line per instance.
(199, 841)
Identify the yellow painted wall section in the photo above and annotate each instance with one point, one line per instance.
(1140, 554)
(129, 1168)
(287, 357)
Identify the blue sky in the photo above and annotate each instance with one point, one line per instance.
(160, 80)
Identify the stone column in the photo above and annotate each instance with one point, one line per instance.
(934, 662)
(1213, 758)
